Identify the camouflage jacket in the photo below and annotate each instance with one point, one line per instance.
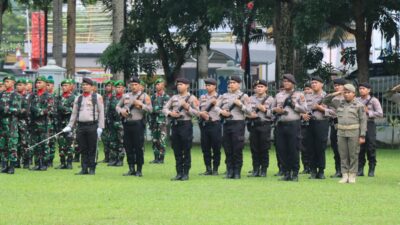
(64, 104)
(112, 115)
(41, 107)
(10, 105)
(158, 102)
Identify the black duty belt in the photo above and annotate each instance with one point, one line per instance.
(87, 123)
(183, 122)
(132, 122)
(261, 123)
(289, 122)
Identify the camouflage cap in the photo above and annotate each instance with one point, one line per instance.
(119, 83)
(41, 78)
(9, 77)
(21, 81)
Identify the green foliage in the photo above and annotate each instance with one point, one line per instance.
(13, 31)
(313, 57)
(349, 56)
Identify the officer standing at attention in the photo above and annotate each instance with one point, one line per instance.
(210, 128)
(338, 85)
(259, 125)
(305, 155)
(158, 122)
(352, 126)
(10, 104)
(287, 106)
(373, 109)
(232, 106)
(22, 117)
(317, 131)
(52, 124)
(64, 105)
(41, 106)
(105, 136)
(88, 113)
(132, 108)
(180, 109)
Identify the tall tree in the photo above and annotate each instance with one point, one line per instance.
(118, 13)
(4, 5)
(71, 35)
(58, 32)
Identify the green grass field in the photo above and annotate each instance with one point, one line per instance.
(60, 197)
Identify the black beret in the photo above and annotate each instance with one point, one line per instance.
(365, 84)
(134, 79)
(182, 80)
(210, 81)
(317, 78)
(262, 82)
(307, 84)
(88, 81)
(339, 81)
(289, 77)
(235, 78)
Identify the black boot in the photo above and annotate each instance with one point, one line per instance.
(279, 173)
(112, 162)
(371, 170)
(208, 171)
(43, 165)
(106, 157)
(77, 157)
(62, 163)
(161, 159)
(237, 172)
(263, 171)
(255, 172)
(155, 160)
(139, 171)
(131, 171)
(92, 170)
(313, 174)
(179, 174)
(69, 163)
(337, 173)
(11, 168)
(37, 165)
(360, 172)
(119, 162)
(215, 171)
(18, 163)
(294, 176)
(185, 175)
(229, 173)
(4, 166)
(49, 163)
(286, 176)
(26, 164)
(320, 174)
(84, 170)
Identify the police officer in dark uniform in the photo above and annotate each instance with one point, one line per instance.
(88, 113)
(305, 156)
(259, 121)
(210, 127)
(287, 106)
(180, 109)
(233, 108)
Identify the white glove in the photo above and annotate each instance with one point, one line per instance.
(99, 131)
(67, 129)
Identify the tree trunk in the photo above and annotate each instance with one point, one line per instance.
(2, 5)
(118, 14)
(57, 32)
(363, 42)
(46, 41)
(202, 62)
(71, 35)
(283, 35)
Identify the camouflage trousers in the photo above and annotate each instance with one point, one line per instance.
(65, 148)
(159, 137)
(116, 143)
(39, 133)
(52, 142)
(105, 138)
(8, 139)
(23, 140)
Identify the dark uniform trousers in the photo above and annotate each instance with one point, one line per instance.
(181, 142)
(211, 139)
(316, 141)
(233, 143)
(133, 142)
(260, 143)
(87, 141)
(369, 147)
(277, 152)
(334, 145)
(305, 154)
(287, 144)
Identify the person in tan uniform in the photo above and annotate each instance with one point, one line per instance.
(352, 126)
(88, 113)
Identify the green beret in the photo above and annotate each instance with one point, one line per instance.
(66, 81)
(159, 80)
(119, 83)
(95, 83)
(110, 82)
(50, 81)
(41, 78)
(143, 83)
(73, 81)
(21, 81)
(9, 77)
(29, 81)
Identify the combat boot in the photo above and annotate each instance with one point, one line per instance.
(92, 170)
(229, 173)
(263, 172)
(294, 176)
(119, 163)
(77, 157)
(112, 162)
(106, 157)
(131, 171)
(84, 171)
(139, 171)
(360, 172)
(255, 172)
(62, 163)
(43, 165)
(37, 166)
(345, 178)
(18, 163)
(4, 166)
(279, 173)
(286, 176)
(155, 160)
(320, 174)
(161, 159)
(352, 178)
(215, 171)
(313, 174)
(11, 168)
(179, 174)
(237, 173)
(208, 171)
(337, 173)
(26, 164)
(185, 175)
(371, 170)
(69, 163)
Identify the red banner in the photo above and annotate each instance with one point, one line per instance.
(38, 36)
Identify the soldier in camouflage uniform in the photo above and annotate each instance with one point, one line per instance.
(77, 152)
(114, 123)
(105, 137)
(28, 94)
(41, 106)
(64, 104)
(22, 116)
(29, 87)
(10, 104)
(52, 124)
(158, 122)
